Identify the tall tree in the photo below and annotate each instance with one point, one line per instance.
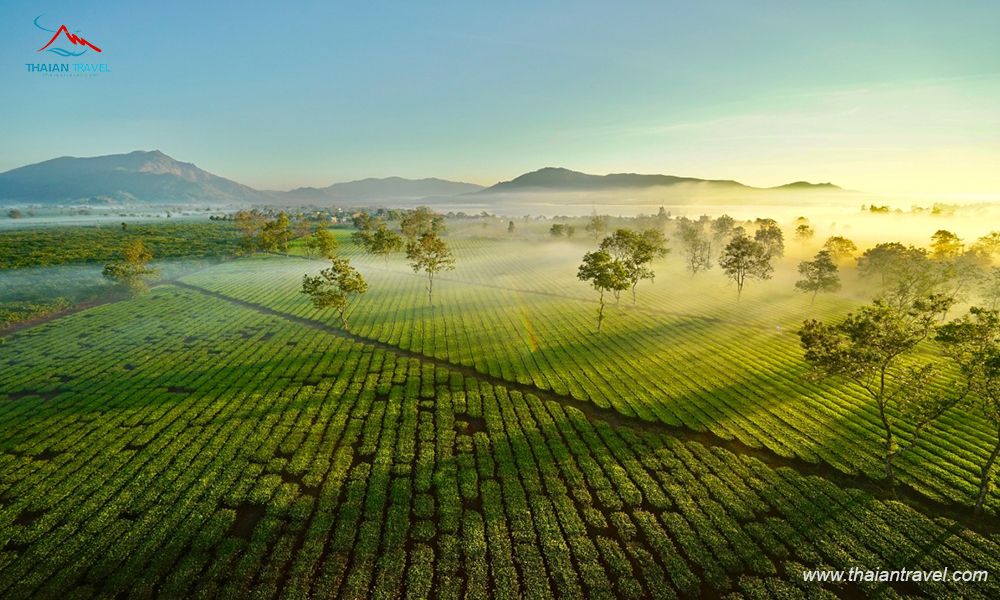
(696, 249)
(383, 242)
(510, 228)
(875, 349)
(945, 245)
(905, 273)
(989, 245)
(419, 221)
(323, 242)
(818, 275)
(597, 225)
(250, 223)
(276, 234)
(605, 274)
(973, 341)
(303, 227)
(804, 233)
(132, 269)
(769, 236)
(334, 286)
(557, 230)
(744, 259)
(635, 251)
(839, 247)
(430, 254)
(722, 228)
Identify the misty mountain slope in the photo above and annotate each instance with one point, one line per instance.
(136, 176)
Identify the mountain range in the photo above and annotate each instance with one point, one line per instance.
(154, 177)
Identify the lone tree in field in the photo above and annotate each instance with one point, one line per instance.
(605, 274)
(132, 270)
(431, 255)
(839, 247)
(973, 342)
(743, 259)
(510, 228)
(804, 233)
(769, 236)
(819, 275)
(634, 251)
(334, 286)
(557, 230)
(875, 349)
(322, 242)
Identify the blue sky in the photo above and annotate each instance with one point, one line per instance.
(885, 96)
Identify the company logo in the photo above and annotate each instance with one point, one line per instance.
(72, 37)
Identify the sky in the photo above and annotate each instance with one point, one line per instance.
(884, 96)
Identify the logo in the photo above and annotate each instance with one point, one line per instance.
(72, 37)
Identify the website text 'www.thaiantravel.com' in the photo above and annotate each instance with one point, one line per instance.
(855, 574)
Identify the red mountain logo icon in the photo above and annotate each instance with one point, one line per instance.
(75, 39)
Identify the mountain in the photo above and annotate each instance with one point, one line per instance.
(559, 179)
(385, 189)
(137, 176)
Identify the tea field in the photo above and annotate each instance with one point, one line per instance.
(181, 445)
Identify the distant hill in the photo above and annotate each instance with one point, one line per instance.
(385, 189)
(137, 176)
(560, 179)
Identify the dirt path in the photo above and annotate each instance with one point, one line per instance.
(913, 498)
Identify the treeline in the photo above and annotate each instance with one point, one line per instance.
(41, 247)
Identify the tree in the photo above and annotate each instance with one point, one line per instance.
(383, 242)
(250, 222)
(14, 213)
(303, 227)
(323, 242)
(945, 245)
(510, 228)
(989, 289)
(597, 225)
(905, 273)
(419, 221)
(769, 236)
(634, 251)
(557, 230)
(988, 245)
(819, 275)
(839, 248)
(973, 342)
(132, 270)
(365, 225)
(804, 233)
(875, 349)
(722, 228)
(430, 254)
(696, 249)
(334, 286)
(570, 231)
(743, 259)
(276, 234)
(605, 274)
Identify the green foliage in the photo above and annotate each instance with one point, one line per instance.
(819, 275)
(769, 236)
(839, 247)
(605, 274)
(131, 271)
(874, 348)
(322, 242)
(334, 286)
(421, 221)
(431, 255)
(744, 259)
